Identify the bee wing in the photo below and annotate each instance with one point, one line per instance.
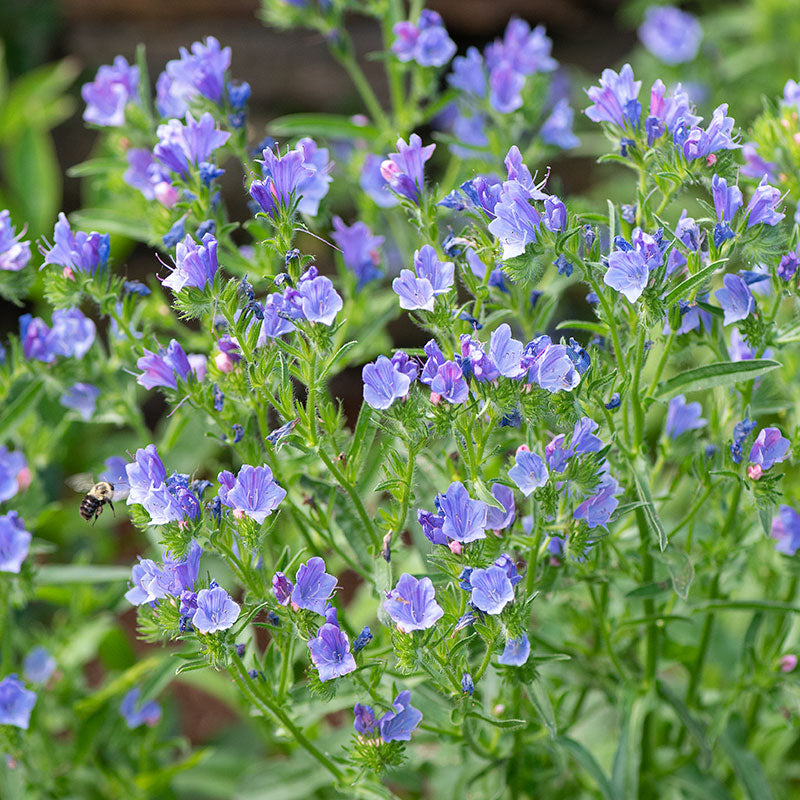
(81, 482)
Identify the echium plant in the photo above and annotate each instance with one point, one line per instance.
(529, 549)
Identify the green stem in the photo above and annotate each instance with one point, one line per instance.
(651, 652)
(364, 89)
(604, 634)
(636, 399)
(484, 664)
(662, 362)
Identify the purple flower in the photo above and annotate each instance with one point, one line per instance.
(404, 365)
(359, 249)
(83, 398)
(449, 383)
(769, 448)
(673, 109)
(374, 184)
(517, 222)
(529, 471)
(505, 352)
(145, 470)
(557, 128)
(164, 368)
(13, 473)
(468, 73)
(555, 214)
(182, 146)
(195, 264)
(414, 293)
(313, 586)
(491, 589)
(465, 519)
(615, 100)
(216, 610)
(505, 88)
(683, 416)
(786, 529)
(499, 518)
(427, 42)
(404, 170)
(319, 301)
(484, 194)
(283, 176)
(364, 719)
(330, 652)
(313, 186)
(762, 205)
(201, 72)
(113, 88)
(727, 200)
(82, 252)
(14, 542)
(148, 176)
(152, 582)
(136, 713)
(14, 254)
(516, 652)
(412, 604)
(598, 508)
(432, 526)
(16, 702)
(439, 274)
(282, 588)
(38, 665)
(550, 366)
(504, 561)
(700, 143)
(435, 360)
(383, 384)
(253, 492)
(735, 299)
(671, 35)
(528, 51)
(398, 724)
(72, 333)
(755, 166)
(788, 265)
(627, 273)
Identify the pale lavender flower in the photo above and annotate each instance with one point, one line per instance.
(216, 610)
(253, 492)
(404, 170)
(735, 299)
(557, 128)
(769, 448)
(314, 186)
(199, 73)
(14, 542)
(440, 274)
(683, 416)
(359, 249)
(598, 508)
(399, 723)
(164, 368)
(671, 35)
(526, 50)
(506, 352)
(136, 713)
(414, 293)
(529, 471)
(412, 604)
(313, 586)
(553, 369)
(38, 665)
(464, 518)
(195, 264)
(717, 136)
(435, 360)
(330, 652)
(383, 384)
(374, 184)
(498, 519)
(427, 42)
(762, 205)
(319, 301)
(786, 529)
(113, 88)
(185, 145)
(516, 223)
(14, 254)
(82, 397)
(14, 473)
(505, 88)
(469, 74)
(615, 100)
(516, 652)
(449, 383)
(627, 273)
(82, 252)
(555, 214)
(16, 702)
(492, 590)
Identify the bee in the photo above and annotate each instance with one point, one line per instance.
(97, 495)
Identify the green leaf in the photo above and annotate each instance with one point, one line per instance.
(693, 726)
(113, 221)
(765, 516)
(544, 708)
(14, 410)
(722, 373)
(744, 605)
(59, 574)
(34, 177)
(507, 724)
(627, 760)
(587, 761)
(330, 126)
(747, 767)
(684, 288)
(648, 590)
(648, 506)
(680, 570)
(788, 333)
(583, 325)
(698, 784)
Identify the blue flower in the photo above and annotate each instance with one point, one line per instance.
(149, 177)
(83, 398)
(786, 529)
(498, 519)
(14, 473)
(484, 194)
(313, 586)
(671, 35)
(164, 368)
(319, 301)
(201, 72)
(598, 508)
(492, 589)
(383, 384)
(762, 205)
(449, 383)
(363, 639)
(14, 542)
(152, 582)
(82, 252)
(253, 492)
(282, 588)
(505, 88)
(465, 519)
(467, 684)
(216, 610)
(516, 651)
(529, 471)
(184, 145)
(113, 88)
(414, 293)
(313, 186)
(374, 184)
(614, 401)
(769, 448)
(398, 724)
(439, 274)
(526, 50)
(16, 702)
(38, 665)
(727, 199)
(435, 360)
(432, 526)
(735, 299)
(505, 352)
(195, 264)
(555, 216)
(615, 100)
(516, 223)
(364, 719)
(701, 143)
(683, 416)
(557, 128)
(504, 561)
(468, 73)
(404, 170)
(412, 604)
(427, 42)
(14, 254)
(627, 273)
(136, 713)
(549, 365)
(330, 652)
(359, 249)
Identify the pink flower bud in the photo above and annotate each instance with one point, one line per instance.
(295, 607)
(166, 194)
(755, 471)
(498, 709)
(523, 448)
(435, 398)
(456, 548)
(238, 513)
(796, 138)
(388, 170)
(711, 159)
(68, 273)
(788, 662)
(224, 362)
(183, 524)
(24, 478)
